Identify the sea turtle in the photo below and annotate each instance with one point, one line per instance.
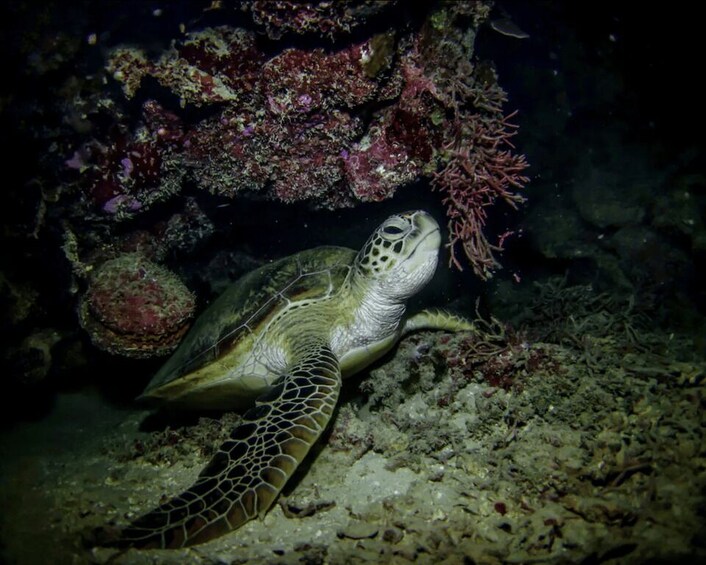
(284, 336)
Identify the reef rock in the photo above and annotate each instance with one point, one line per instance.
(135, 308)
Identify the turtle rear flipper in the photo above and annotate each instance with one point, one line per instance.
(249, 470)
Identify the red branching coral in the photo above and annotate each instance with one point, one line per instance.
(479, 171)
(479, 166)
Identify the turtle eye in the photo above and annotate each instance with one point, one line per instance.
(392, 230)
(395, 229)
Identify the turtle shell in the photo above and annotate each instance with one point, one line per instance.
(231, 324)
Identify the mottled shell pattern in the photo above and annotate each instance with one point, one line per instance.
(233, 325)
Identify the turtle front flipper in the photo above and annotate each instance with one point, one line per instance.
(249, 470)
(437, 320)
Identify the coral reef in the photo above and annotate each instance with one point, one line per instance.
(136, 308)
(210, 66)
(330, 127)
(132, 170)
(323, 18)
(144, 140)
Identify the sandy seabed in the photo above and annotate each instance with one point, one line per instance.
(584, 451)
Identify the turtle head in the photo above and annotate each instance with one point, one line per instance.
(400, 257)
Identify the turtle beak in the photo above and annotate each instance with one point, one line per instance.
(429, 232)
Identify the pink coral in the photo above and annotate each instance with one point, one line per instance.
(135, 308)
(386, 159)
(131, 170)
(324, 18)
(303, 81)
